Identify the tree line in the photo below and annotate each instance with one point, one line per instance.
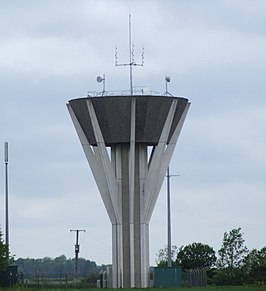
(58, 267)
(234, 264)
(47, 267)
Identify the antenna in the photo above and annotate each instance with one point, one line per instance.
(167, 80)
(100, 79)
(131, 57)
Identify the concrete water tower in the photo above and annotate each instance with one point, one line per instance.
(141, 131)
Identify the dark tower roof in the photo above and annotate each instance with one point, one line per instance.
(113, 113)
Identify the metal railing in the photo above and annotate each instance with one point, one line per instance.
(136, 91)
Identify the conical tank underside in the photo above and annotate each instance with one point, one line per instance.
(113, 114)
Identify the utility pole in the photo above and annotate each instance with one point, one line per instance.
(169, 243)
(77, 249)
(6, 192)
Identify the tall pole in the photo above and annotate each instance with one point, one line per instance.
(77, 249)
(130, 57)
(169, 243)
(6, 192)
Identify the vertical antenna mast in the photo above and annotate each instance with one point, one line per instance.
(131, 57)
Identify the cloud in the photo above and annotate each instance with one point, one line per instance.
(214, 52)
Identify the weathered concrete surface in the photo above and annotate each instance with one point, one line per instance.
(113, 114)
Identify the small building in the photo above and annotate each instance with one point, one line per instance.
(9, 277)
(165, 277)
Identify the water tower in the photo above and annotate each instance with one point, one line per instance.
(141, 132)
(129, 140)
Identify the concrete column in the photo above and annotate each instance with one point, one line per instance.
(132, 192)
(117, 239)
(137, 234)
(125, 216)
(144, 227)
(136, 246)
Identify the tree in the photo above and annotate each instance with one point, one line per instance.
(3, 253)
(231, 258)
(162, 256)
(255, 265)
(196, 255)
(233, 250)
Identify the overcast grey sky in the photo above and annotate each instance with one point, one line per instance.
(214, 52)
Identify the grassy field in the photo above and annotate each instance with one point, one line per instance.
(226, 288)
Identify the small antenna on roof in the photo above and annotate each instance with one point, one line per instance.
(167, 80)
(100, 79)
(131, 58)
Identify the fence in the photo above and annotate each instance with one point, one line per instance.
(195, 278)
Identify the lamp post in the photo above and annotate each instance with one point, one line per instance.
(169, 243)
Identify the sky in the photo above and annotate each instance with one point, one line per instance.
(51, 51)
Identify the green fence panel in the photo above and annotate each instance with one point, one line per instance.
(167, 277)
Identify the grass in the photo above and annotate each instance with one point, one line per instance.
(224, 288)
